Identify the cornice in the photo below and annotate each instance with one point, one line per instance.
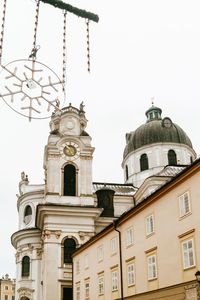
(30, 194)
(24, 233)
(64, 210)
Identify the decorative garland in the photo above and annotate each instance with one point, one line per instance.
(79, 12)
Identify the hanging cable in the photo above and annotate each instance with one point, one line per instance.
(64, 53)
(2, 29)
(88, 45)
(35, 47)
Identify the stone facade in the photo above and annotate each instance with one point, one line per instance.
(7, 288)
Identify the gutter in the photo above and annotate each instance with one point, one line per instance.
(120, 259)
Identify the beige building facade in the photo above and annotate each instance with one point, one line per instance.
(7, 288)
(151, 252)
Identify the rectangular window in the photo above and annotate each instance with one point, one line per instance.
(129, 236)
(184, 204)
(13, 297)
(6, 297)
(87, 290)
(152, 268)
(101, 285)
(113, 245)
(77, 267)
(188, 254)
(149, 225)
(114, 277)
(78, 292)
(100, 253)
(86, 261)
(131, 274)
(6, 288)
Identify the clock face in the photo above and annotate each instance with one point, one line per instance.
(70, 150)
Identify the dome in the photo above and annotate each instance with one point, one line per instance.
(155, 130)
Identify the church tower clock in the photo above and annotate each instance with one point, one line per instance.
(68, 157)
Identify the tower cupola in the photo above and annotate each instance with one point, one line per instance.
(153, 113)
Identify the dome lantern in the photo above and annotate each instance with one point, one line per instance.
(153, 113)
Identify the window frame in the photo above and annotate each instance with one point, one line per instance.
(100, 254)
(87, 289)
(24, 265)
(129, 236)
(130, 274)
(78, 292)
(150, 226)
(86, 261)
(67, 255)
(172, 157)
(113, 242)
(182, 204)
(144, 162)
(186, 253)
(152, 273)
(101, 285)
(114, 280)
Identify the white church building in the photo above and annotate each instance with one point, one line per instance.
(59, 216)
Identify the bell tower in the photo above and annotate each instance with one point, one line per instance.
(68, 158)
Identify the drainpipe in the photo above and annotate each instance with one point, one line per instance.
(120, 259)
(73, 290)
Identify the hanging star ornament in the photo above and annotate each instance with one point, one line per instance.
(29, 87)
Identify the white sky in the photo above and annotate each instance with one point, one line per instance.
(139, 49)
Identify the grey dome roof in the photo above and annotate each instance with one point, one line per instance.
(155, 130)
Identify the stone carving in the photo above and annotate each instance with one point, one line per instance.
(39, 252)
(48, 233)
(25, 292)
(24, 177)
(85, 236)
(81, 108)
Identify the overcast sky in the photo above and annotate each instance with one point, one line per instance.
(139, 49)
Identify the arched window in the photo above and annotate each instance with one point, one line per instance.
(69, 180)
(27, 214)
(126, 172)
(172, 160)
(144, 164)
(26, 266)
(69, 247)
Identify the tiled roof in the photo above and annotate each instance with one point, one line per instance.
(171, 171)
(120, 189)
